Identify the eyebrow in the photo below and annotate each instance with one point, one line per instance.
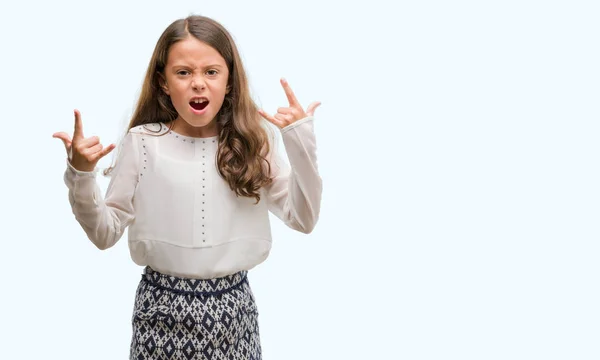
(206, 66)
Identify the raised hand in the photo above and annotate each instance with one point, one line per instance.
(83, 153)
(288, 115)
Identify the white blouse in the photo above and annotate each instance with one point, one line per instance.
(183, 218)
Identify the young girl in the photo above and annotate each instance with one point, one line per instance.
(194, 180)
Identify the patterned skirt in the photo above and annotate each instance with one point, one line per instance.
(180, 318)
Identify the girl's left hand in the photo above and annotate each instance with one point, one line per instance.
(288, 115)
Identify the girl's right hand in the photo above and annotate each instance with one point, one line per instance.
(83, 153)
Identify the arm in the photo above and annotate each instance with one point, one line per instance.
(105, 220)
(295, 193)
(294, 196)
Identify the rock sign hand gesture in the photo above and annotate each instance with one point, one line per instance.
(83, 152)
(288, 115)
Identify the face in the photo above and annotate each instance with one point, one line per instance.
(195, 78)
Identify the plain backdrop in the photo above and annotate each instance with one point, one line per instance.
(458, 146)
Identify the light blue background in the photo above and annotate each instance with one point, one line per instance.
(458, 144)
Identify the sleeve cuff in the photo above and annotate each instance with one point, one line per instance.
(296, 124)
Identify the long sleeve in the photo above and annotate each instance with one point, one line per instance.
(104, 219)
(294, 196)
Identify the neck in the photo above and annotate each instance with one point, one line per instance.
(184, 128)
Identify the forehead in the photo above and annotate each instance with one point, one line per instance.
(194, 52)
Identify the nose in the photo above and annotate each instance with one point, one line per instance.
(198, 83)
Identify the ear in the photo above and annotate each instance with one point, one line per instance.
(227, 89)
(163, 83)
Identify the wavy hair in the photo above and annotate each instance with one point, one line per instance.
(243, 142)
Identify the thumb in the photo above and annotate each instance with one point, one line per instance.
(310, 111)
(66, 139)
(105, 151)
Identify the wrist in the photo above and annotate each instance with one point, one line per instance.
(81, 164)
(81, 168)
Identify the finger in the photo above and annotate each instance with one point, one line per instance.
(64, 137)
(310, 111)
(270, 119)
(284, 118)
(78, 132)
(289, 93)
(285, 110)
(92, 150)
(277, 123)
(88, 142)
(106, 151)
(265, 115)
(102, 153)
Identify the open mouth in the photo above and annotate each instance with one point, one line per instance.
(199, 104)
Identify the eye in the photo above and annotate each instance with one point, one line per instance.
(183, 72)
(212, 72)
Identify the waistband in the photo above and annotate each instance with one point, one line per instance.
(196, 287)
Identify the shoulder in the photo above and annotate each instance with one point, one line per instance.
(149, 129)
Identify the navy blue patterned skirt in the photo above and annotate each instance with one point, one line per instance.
(180, 318)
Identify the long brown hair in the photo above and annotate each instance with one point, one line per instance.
(243, 141)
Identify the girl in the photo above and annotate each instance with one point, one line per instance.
(194, 181)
